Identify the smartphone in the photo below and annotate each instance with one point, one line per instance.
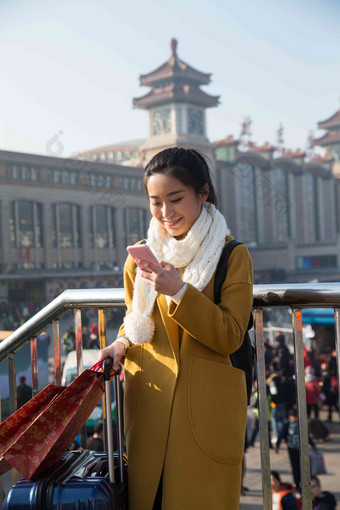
(143, 252)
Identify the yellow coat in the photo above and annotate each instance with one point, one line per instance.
(184, 404)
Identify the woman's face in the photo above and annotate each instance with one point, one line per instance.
(174, 205)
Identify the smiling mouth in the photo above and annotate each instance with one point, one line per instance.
(172, 223)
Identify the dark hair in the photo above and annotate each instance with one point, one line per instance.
(316, 480)
(292, 412)
(276, 475)
(187, 165)
(98, 427)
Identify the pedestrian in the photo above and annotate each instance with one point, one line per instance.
(278, 405)
(330, 386)
(86, 337)
(313, 392)
(96, 441)
(322, 500)
(93, 342)
(255, 422)
(281, 351)
(282, 494)
(68, 340)
(24, 392)
(290, 433)
(185, 405)
(268, 354)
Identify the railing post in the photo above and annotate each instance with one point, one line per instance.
(12, 384)
(34, 365)
(80, 364)
(263, 411)
(102, 340)
(56, 352)
(78, 340)
(337, 347)
(302, 410)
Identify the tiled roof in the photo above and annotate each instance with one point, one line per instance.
(321, 159)
(176, 93)
(332, 122)
(124, 146)
(229, 140)
(266, 147)
(328, 139)
(175, 68)
(294, 154)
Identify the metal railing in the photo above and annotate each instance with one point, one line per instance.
(293, 296)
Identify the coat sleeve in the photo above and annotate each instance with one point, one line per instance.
(220, 327)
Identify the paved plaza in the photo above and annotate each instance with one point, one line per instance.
(280, 462)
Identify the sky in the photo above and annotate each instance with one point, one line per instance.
(69, 69)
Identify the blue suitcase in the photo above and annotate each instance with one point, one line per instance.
(82, 479)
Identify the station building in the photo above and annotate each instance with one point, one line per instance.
(65, 223)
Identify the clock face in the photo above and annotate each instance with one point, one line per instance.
(195, 121)
(161, 122)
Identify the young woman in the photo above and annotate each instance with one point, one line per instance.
(184, 405)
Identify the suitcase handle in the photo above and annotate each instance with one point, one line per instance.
(107, 367)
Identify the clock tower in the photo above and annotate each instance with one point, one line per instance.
(177, 107)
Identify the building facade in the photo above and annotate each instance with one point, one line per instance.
(65, 223)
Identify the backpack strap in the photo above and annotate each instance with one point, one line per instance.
(221, 270)
(221, 273)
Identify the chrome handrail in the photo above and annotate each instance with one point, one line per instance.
(265, 296)
(69, 299)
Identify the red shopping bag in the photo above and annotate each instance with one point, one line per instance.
(12, 428)
(47, 438)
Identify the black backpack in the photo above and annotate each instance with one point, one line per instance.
(244, 357)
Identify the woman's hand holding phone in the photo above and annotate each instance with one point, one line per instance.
(162, 276)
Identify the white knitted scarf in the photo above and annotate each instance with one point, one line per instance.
(198, 253)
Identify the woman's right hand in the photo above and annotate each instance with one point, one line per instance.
(116, 350)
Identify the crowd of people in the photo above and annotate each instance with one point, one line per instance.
(14, 315)
(321, 383)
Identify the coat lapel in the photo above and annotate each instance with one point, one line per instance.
(172, 329)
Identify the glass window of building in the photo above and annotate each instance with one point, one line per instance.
(113, 229)
(246, 193)
(77, 229)
(101, 224)
(311, 197)
(65, 177)
(337, 207)
(25, 223)
(65, 225)
(57, 176)
(38, 213)
(34, 173)
(102, 231)
(73, 177)
(12, 171)
(54, 228)
(281, 204)
(12, 224)
(135, 224)
(101, 180)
